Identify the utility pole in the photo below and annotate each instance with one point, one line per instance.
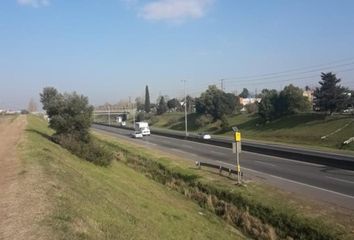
(222, 84)
(132, 110)
(109, 115)
(185, 108)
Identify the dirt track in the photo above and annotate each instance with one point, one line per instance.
(18, 198)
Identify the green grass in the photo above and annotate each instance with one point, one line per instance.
(91, 202)
(288, 214)
(301, 129)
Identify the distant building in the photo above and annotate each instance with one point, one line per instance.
(245, 101)
(309, 95)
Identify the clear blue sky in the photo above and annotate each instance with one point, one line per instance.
(110, 49)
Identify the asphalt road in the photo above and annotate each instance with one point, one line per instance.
(321, 182)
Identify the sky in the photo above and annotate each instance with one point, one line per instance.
(109, 50)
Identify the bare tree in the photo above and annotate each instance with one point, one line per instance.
(32, 106)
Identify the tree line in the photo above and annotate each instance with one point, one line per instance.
(329, 97)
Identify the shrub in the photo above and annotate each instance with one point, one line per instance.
(91, 151)
(225, 125)
(172, 121)
(203, 120)
(68, 113)
(71, 117)
(153, 120)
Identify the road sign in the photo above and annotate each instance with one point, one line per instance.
(237, 136)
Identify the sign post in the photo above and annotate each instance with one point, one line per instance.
(236, 148)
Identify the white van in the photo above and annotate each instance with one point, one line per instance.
(145, 131)
(143, 127)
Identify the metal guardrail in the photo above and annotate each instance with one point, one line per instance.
(219, 167)
(298, 154)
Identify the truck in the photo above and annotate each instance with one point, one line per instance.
(143, 127)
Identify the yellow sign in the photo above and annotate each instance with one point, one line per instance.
(238, 168)
(237, 136)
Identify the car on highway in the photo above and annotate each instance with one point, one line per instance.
(349, 110)
(136, 134)
(204, 136)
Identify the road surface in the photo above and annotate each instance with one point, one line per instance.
(320, 182)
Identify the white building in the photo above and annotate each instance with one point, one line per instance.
(245, 101)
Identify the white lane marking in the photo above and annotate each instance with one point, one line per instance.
(183, 145)
(265, 163)
(295, 182)
(177, 150)
(218, 153)
(146, 142)
(286, 159)
(270, 156)
(303, 184)
(341, 180)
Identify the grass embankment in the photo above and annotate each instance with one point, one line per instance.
(116, 202)
(302, 129)
(262, 212)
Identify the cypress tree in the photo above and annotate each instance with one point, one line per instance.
(147, 100)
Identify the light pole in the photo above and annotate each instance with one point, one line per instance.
(185, 108)
(133, 111)
(109, 115)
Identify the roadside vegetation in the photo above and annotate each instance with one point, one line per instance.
(316, 118)
(70, 115)
(260, 211)
(144, 195)
(287, 116)
(115, 202)
(306, 129)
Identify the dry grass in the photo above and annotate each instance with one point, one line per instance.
(22, 204)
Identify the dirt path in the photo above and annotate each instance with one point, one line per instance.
(17, 196)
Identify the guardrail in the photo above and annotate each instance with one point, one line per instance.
(294, 153)
(216, 166)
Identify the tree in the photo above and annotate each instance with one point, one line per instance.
(350, 102)
(289, 101)
(140, 106)
(147, 100)
(330, 96)
(215, 102)
(162, 107)
(245, 93)
(32, 106)
(173, 104)
(69, 114)
(190, 103)
(266, 108)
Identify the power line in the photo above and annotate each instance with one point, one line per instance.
(293, 74)
(298, 69)
(288, 79)
(277, 81)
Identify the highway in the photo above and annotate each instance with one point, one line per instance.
(316, 181)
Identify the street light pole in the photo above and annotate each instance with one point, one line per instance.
(109, 115)
(133, 111)
(185, 108)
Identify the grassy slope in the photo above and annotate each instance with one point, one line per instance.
(303, 129)
(90, 202)
(340, 220)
